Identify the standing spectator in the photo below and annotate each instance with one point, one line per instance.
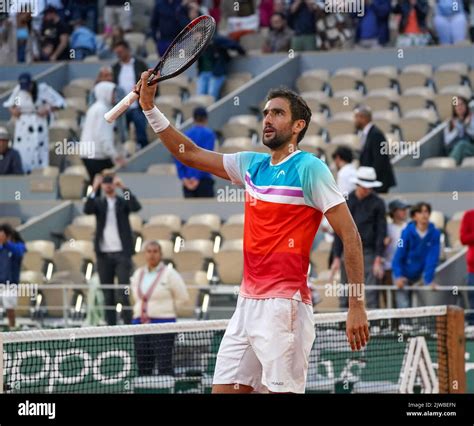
(346, 171)
(10, 160)
(372, 28)
(168, 19)
(417, 254)
(371, 154)
(459, 133)
(8, 40)
(195, 182)
(158, 291)
(113, 239)
(213, 63)
(127, 71)
(265, 12)
(54, 36)
(302, 19)
(279, 37)
(368, 211)
(117, 12)
(85, 10)
(467, 238)
(412, 29)
(450, 21)
(397, 211)
(82, 41)
(333, 30)
(97, 135)
(12, 249)
(106, 43)
(27, 38)
(31, 104)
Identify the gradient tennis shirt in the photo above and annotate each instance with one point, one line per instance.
(284, 205)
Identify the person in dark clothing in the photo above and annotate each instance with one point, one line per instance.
(372, 154)
(368, 211)
(302, 20)
(212, 65)
(195, 182)
(127, 72)
(10, 159)
(372, 28)
(412, 29)
(12, 249)
(54, 36)
(113, 239)
(168, 19)
(86, 10)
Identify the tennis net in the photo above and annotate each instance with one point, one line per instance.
(411, 350)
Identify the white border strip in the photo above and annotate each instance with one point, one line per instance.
(196, 326)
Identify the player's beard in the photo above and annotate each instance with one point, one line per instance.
(277, 140)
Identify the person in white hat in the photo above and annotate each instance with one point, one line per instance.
(368, 211)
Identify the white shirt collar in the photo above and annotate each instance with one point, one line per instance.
(367, 128)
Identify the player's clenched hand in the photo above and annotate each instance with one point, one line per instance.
(357, 327)
(147, 93)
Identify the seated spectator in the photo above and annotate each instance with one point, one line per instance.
(333, 30)
(195, 182)
(97, 138)
(413, 30)
(54, 36)
(7, 40)
(86, 10)
(279, 36)
(459, 133)
(450, 21)
(213, 63)
(346, 171)
(372, 28)
(105, 44)
(302, 19)
(467, 238)
(157, 291)
(31, 105)
(417, 254)
(26, 38)
(10, 160)
(82, 41)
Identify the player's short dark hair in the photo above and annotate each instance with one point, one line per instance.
(298, 107)
(6, 228)
(418, 207)
(122, 43)
(344, 153)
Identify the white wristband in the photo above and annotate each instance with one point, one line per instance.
(157, 120)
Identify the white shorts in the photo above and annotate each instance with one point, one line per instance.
(267, 344)
(8, 300)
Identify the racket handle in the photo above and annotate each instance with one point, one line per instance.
(121, 107)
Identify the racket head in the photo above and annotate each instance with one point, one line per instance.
(185, 49)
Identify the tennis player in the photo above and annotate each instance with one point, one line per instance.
(268, 340)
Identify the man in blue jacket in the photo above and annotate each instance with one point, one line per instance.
(417, 254)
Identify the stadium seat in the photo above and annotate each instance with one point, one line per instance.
(50, 171)
(461, 67)
(339, 127)
(79, 232)
(44, 247)
(25, 300)
(344, 101)
(447, 78)
(411, 101)
(351, 71)
(68, 260)
(136, 40)
(72, 182)
(176, 86)
(387, 70)
(233, 83)
(440, 162)
(13, 221)
(192, 279)
(230, 262)
(425, 114)
(425, 69)
(350, 140)
(235, 130)
(67, 114)
(85, 219)
(414, 75)
(201, 226)
(343, 82)
(413, 129)
(136, 222)
(317, 123)
(248, 120)
(377, 81)
(310, 83)
(192, 255)
(438, 219)
(377, 101)
(312, 143)
(316, 100)
(164, 226)
(233, 228)
(72, 91)
(85, 83)
(164, 169)
(233, 145)
(194, 101)
(84, 247)
(321, 73)
(468, 162)
(33, 261)
(77, 103)
(170, 105)
(252, 41)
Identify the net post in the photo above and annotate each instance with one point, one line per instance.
(443, 376)
(456, 349)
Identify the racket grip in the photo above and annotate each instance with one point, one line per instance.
(121, 107)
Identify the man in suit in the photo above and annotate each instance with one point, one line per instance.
(127, 72)
(113, 239)
(371, 155)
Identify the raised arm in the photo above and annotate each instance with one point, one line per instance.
(180, 146)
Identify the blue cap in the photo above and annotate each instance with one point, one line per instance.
(199, 112)
(25, 81)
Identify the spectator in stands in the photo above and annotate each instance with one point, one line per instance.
(333, 30)
(105, 44)
(54, 36)
(279, 37)
(372, 27)
(82, 41)
(195, 182)
(467, 238)
(10, 160)
(397, 210)
(346, 171)
(157, 291)
(27, 39)
(85, 10)
(113, 239)
(213, 63)
(168, 19)
(265, 12)
(302, 19)
(127, 72)
(417, 254)
(117, 12)
(7, 40)
(12, 249)
(459, 133)
(372, 140)
(450, 21)
(412, 28)
(31, 104)
(97, 138)
(368, 211)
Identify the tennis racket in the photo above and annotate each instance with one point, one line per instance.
(180, 55)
